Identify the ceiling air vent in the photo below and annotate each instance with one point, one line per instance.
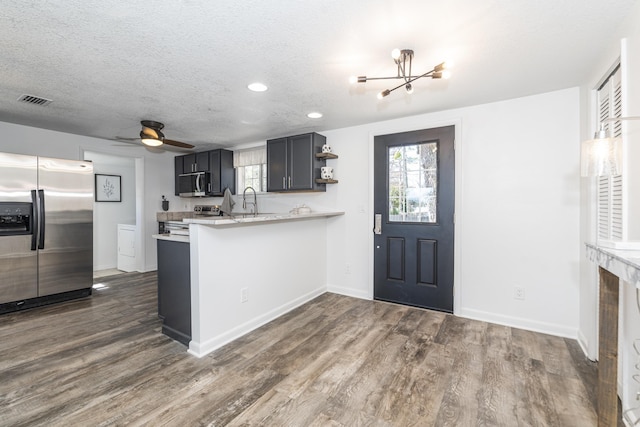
(36, 100)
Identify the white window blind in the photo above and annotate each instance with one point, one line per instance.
(610, 198)
(250, 157)
(251, 168)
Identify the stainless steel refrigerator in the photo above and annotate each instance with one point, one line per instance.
(46, 230)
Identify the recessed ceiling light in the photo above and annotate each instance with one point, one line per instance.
(257, 87)
(314, 115)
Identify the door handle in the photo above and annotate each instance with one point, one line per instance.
(377, 224)
(41, 218)
(35, 225)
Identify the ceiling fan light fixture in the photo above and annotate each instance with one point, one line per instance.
(149, 140)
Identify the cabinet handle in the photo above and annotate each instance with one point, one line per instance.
(284, 182)
(209, 186)
(289, 181)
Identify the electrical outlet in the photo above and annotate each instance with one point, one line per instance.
(518, 292)
(244, 295)
(347, 268)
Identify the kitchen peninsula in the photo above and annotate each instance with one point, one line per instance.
(246, 271)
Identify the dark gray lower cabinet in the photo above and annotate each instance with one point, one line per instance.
(174, 290)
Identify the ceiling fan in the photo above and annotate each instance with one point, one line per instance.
(152, 136)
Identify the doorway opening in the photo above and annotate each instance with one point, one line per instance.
(111, 218)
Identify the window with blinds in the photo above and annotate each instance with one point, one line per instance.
(610, 200)
(251, 168)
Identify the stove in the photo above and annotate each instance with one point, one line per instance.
(207, 210)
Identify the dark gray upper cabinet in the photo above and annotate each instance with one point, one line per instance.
(196, 162)
(219, 164)
(222, 173)
(277, 164)
(292, 164)
(179, 169)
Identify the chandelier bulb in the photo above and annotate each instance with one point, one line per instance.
(384, 93)
(440, 67)
(395, 53)
(353, 79)
(446, 74)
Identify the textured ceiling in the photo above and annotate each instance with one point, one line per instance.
(106, 65)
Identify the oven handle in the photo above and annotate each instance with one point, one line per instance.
(199, 183)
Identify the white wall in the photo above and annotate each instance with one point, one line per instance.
(156, 171)
(518, 209)
(279, 264)
(107, 215)
(517, 192)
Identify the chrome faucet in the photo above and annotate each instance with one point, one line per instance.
(254, 203)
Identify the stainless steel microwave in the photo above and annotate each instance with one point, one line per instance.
(195, 184)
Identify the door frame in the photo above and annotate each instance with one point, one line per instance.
(458, 226)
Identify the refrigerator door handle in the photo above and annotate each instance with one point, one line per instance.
(34, 221)
(41, 218)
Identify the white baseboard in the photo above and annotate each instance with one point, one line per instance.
(519, 322)
(630, 419)
(104, 267)
(350, 292)
(584, 345)
(202, 349)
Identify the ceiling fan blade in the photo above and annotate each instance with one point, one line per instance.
(177, 143)
(122, 138)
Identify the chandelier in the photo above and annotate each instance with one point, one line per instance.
(403, 59)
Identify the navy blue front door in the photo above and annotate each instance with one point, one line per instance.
(414, 201)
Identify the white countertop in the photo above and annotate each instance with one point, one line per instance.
(623, 263)
(171, 237)
(260, 218)
(243, 220)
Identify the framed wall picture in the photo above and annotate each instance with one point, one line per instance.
(108, 188)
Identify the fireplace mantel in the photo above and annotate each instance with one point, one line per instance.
(613, 265)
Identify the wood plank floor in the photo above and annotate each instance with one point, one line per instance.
(336, 361)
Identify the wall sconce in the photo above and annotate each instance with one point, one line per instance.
(403, 59)
(602, 155)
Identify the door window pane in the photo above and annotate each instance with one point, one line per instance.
(413, 182)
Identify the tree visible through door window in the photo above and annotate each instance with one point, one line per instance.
(413, 182)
